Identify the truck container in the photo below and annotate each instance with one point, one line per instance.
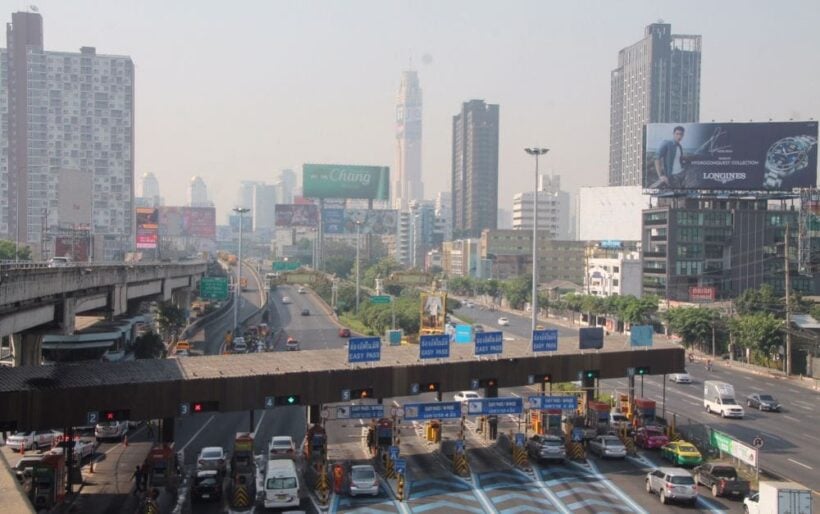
(719, 398)
(784, 498)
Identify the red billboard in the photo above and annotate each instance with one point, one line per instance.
(701, 294)
(297, 215)
(147, 226)
(76, 247)
(198, 222)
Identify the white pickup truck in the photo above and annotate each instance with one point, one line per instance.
(719, 398)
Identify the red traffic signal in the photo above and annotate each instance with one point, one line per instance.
(197, 407)
(115, 415)
(360, 394)
(431, 387)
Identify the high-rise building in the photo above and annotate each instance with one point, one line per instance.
(553, 208)
(149, 186)
(287, 185)
(444, 214)
(66, 111)
(657, 80)
(198, 193)
(244, 197)
(475, 169)
(408, 185)
(263, 209)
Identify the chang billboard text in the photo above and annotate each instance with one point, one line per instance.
(730, 156)
(344, 181)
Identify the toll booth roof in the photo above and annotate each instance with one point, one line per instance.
(77, 375)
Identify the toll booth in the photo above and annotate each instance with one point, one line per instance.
(623, 404)
(644, 411)
(315, 441)
(48, 481)
(598, 415)
(384, 432)
(162, 466)
(546, 421)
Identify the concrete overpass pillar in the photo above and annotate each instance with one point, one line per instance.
(27, 348)
(118, 300)
(182, 298)
(67, 315)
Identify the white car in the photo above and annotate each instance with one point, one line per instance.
(281, 446)
(503, 322)
(110, 430)
(466, 396)
(286, 300)
(608, 446)
(363, 480)
(33, 440)
(680, 378)
(81, 448)
(60, 262)
(301, 290)
(212, 457)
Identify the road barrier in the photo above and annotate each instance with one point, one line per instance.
(240, 498)
(400, 488)
(323, 488)
(576, 451)
(460, 465)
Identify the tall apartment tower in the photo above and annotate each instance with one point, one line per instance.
(475, 169)
(408, 186)
(198, 193)
(66, 113)
(657, 81)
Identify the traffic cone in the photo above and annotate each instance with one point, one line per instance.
(91, 466)
(22, 448)
(125, 440)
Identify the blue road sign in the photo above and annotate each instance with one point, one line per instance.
(434, 346)
(93, 417)
(489, 343)
(400, 465)
(578, 435)
(364, 349)
(438, 410)
(545, 340)
(495, 406)
(641, 335)
(345, 395)
(459, 446)
(414, 388)
(394, 452)
(520, 439)
(474, 383)
(464, 334)
(553, 402)
(366, 411)
(184, 409)
(269, 402)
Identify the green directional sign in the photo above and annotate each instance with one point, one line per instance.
(286, 265)
(380, 299)
(213, 288)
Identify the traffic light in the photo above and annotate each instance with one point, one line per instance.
(546, 378)
(290, 399)
(642, 370)
(197, 407)
(431, 387)
(115, 415)
(361, 394)
(488, 382)
(590, 374)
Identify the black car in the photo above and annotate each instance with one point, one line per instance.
(207, 486)
(305, 312)
(762, 401)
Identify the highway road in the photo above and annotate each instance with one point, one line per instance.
(791, 437)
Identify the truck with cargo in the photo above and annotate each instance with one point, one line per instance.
(719, 398)
(779, 498)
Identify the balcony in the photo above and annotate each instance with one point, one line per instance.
(655, 254)
(654, 271)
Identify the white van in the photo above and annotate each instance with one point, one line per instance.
(281, 484)
(719, 397)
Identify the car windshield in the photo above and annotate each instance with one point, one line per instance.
(281, 483)
(471, 395)
(682, 480)
(612, 442)
(766, 398)
(211, 454)
(281, 443)
(653, 433)
(207, 481)
(729, 401)
(363, 474)
(687, 448)
(552, 442)
(724, 472)
(108, 424)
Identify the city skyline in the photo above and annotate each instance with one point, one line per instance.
(563, 104)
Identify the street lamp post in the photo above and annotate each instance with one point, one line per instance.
(536, 152)
(238, 289)
(358, 233)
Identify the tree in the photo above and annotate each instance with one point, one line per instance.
(382, 269)
(759, 300)
(7, 251)
(517, 291)
(635, 311)
(762, 332)
(692, 324)
(148, 346)
(169, 318)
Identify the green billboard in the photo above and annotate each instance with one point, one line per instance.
(345, 181)
(286, 265)
(213, 288)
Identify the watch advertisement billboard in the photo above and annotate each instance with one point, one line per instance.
(297, 215)
(381, 222)
(772, 156)
(345, 181)
(188, 222)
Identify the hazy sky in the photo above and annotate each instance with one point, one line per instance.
(232, 91)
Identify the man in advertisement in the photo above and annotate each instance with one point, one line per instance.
(670, 163)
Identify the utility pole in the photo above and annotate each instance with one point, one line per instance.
(534, 303)
(788, 287)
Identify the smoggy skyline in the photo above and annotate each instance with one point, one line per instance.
(238, 94)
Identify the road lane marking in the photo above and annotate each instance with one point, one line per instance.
(791, 418)
(549, 493)
(609, 485)
(482, 498)
(197, 432)
(800, 464)
(256, 429)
